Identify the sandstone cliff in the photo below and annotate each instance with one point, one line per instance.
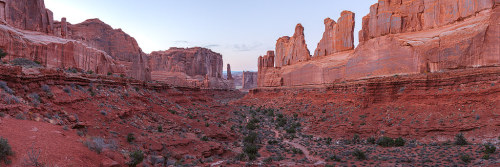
(198, 66)
(338, 36)
(398, 38)
(249, 80)
(27, 15)
(54, 52)
(290, 50)
(116, 43)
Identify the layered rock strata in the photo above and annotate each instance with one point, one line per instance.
(401, 38)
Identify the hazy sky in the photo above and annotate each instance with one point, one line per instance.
(240, 30)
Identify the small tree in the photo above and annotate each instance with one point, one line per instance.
(2, 54)
(136, 157)
(460, 140)
(5, 151)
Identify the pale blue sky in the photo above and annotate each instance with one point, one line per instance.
(240, 30)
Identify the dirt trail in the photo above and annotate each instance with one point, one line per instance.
(310, 157)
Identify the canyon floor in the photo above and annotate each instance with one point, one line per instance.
(67, 118)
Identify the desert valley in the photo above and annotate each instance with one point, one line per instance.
(422, 88)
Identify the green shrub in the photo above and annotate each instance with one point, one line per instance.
(486, 157)
(204, 138)
(25, 63)
(399, 142)
(334, 158)
(272, 142)
(465, 158)
(251, 138)
(291, 130)
(297, 151)
(136, 157)
(5, 151)
(371, 140)
(385, 141)
(160, 128)
(251, 126)
(489, 149)
(355, 139)
(460, 140)
(109, 73)
(251, 150)
(360, 155)
(130, 137)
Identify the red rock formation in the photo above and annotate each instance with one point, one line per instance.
(116, 43)
(195, 66)
(397, 40)
(249, 80)
(267, 74)
(229, 76)
(54, 52)
(290, 50)
(27, 15)
(191, 61)
(399, 16)
(337, 37)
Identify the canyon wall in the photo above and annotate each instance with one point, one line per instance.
(199, 66)
(54, 52)
(249, 80)
(27, 15)
(399, 38)
(118, 44)
(27, 30)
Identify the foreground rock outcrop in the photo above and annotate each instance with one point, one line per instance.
(398, 38)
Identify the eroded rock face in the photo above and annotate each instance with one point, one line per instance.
(401, 38)
(115, 42)
(229, 76)
(191, 61)
(249, 80)
(290, 50)
(54, 52)
(27, 15)
(337, 37)
(399, 16)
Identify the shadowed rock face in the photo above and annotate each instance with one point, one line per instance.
(194, 62)
(337, 37)
(229, 75)
(290, 50)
